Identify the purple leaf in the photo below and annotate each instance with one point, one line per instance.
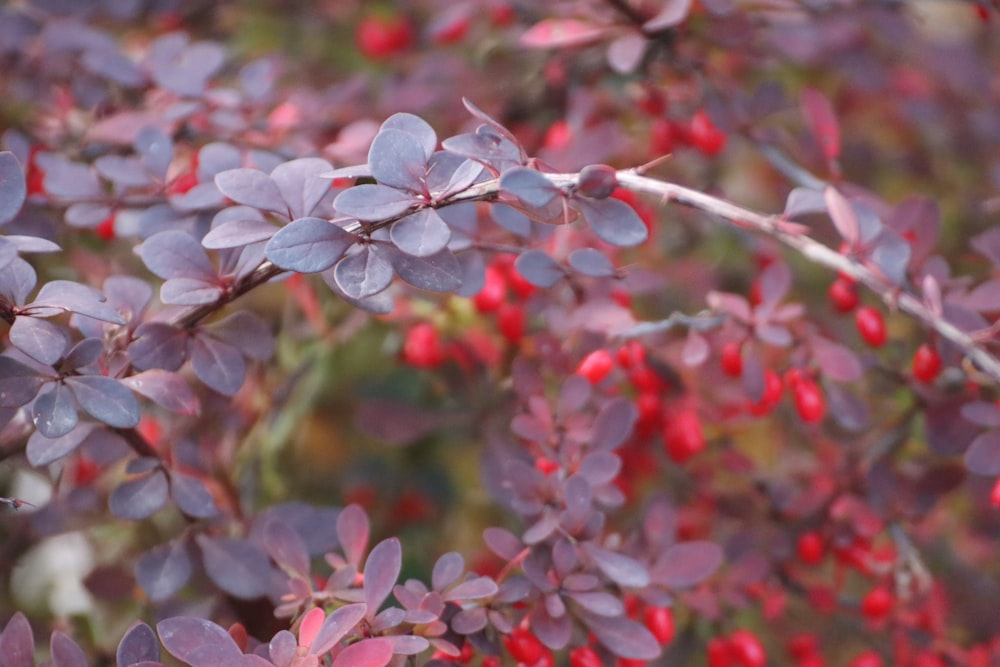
(891, 255)
(599, 603)
(983, 455)
(591, 262)
(503, 543)
(686, 564)
(237, 566)
(155, 149)
(68, 180)
(622, 636)
(182, 67)
(18, 383)
(626, 51)
(66, 652)
(447, 569)
(105, 399)
(17, 643)
(671, 13)
(374, 652)
(614, 424)
(54, 411)
(176, 254)
(158, 345)
(469, 621)
(553, 33)
(621, 569)
(982, 413)
(844, 218)
(139, 644)
(599, 467)
(381, 571)
(530, 186)
(364, 272)
(415, 126)
(39, 339)
(373, 202)
(695, 350)
(189, 291)
(191, 496)
(42, 451)
(237, 233)
(398, 160)
(301, 184)
(218, 365)
(836, 361)
(140, 497)
(245, 331)
(13, 189)
(440, 272)
(407, 644)
(253, 188)
(161, 571)
(85, 353)
(538, 268)
(421, 233)
(66, 295)
(124, 171)
(165, 388)
(353, 532)
(308, 245)
(552, 629)
(472, 589)
(336, 626)
(17, 279)
(198, 642)
(613, 221)
(286, 548)
(281, 649)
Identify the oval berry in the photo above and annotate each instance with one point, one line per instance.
(524, 646)
(422, 346)
(584, 656)
(810, 547)
(877, 603)
(926, 363)
(870, 325)
(866, 659)
(747, 649)
(596, 366)
(494, 291)
(683, 436)
(705, 136)
(809, 401)
(843, 294)
(660, 622)
(731, 359)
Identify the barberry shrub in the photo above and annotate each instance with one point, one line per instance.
(367, 334)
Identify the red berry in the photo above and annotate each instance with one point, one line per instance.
(682, 435)
(810, 547)
(422, 347)
(380, 37)
(494, 291)
(660, 622)
(652, 101)
(731, 359)
(105, 230)
(501, 14)
(773, 387)
(631, 355)
(705, 136)
(596, 366)
(926, 363)
(545, 465)
(747, 649)
(803, 645)
(524, 646)
(809, 401)
(843, 294)
(511, 322)
(995, 494)
(870, 325)
(720, 653)
(451, 32)
(866, 659)
(877, 603)
(630, 662)
(661, 138)
(490, 661)
(584, 656)
(521, 287)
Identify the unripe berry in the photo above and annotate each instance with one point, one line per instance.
(597, 181)
(926, 363)
(870, 325)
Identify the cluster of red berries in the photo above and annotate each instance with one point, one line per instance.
(741, 648)
(843, 295)
(699, 132)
